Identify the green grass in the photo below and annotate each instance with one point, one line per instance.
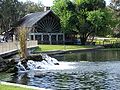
(9, 87)
(61, 47)
(107, 41)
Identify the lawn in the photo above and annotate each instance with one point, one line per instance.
(101, 41)
(61, 47)
(9, 87)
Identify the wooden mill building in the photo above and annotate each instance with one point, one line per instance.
(43, 26)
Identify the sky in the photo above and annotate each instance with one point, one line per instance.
(50, 2)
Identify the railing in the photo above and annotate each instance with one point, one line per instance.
(12, 46)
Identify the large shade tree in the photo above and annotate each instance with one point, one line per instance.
(12, 10)
(31, 7)
(9, 12)
(60, 7)
(86, 17)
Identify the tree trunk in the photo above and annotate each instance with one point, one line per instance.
(83, 40)
(92, 39)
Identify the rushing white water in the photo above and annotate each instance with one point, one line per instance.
(20, 67)
(48, 63)
(45, 64)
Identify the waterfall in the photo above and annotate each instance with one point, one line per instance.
(49, 60)
(46, 63)
(20, 67)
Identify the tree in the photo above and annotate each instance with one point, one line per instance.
(115, 4)
(31, 7)
(101, 22)
(9, 11)
(60, 8)
(115, 9)
(82, 16)
(12, 10)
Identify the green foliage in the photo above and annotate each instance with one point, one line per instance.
(9, 12)
(60, 8)
(101, 21)
(31, 7)
(86, 12)
(86, 17)
(114, 7)
(12, 10)
(115, 45)
(115, 4)
(90, 5)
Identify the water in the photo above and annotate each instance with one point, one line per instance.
(96, 70)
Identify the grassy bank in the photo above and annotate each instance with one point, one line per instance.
(9, 87)
(62, 47)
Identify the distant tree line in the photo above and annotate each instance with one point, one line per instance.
(12, 10)
(115, 8)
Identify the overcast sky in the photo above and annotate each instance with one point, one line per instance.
(50, 2)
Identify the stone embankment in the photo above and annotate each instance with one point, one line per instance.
(9, 65)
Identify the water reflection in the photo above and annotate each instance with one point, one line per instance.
(98, 55)
(67, 81)
(20, 78)
(86, 76)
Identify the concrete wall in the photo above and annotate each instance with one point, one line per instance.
(12, 47)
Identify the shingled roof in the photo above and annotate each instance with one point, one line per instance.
(30, 19)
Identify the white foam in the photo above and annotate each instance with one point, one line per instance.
(47, 64)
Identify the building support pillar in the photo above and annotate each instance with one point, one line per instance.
(41, 38)
(29, 37)
(34, 37)
(64, 38)
(50, 39)
(57, 38)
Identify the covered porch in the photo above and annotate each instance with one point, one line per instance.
(48, 38)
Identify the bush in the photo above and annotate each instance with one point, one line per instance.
(115, 45)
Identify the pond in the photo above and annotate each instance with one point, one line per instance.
(92, 70)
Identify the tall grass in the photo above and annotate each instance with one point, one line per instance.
(22, 36)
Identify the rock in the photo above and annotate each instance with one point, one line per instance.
(24, 63)
(13, 61)
(1, 59)
(7, 65)
(12, 70)
(35, 57)
(56, 64)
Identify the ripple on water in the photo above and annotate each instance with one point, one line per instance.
(82, 76)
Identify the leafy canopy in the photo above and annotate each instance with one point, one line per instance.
(86, 17)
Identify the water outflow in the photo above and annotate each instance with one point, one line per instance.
(47, 63)
(20, 67)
